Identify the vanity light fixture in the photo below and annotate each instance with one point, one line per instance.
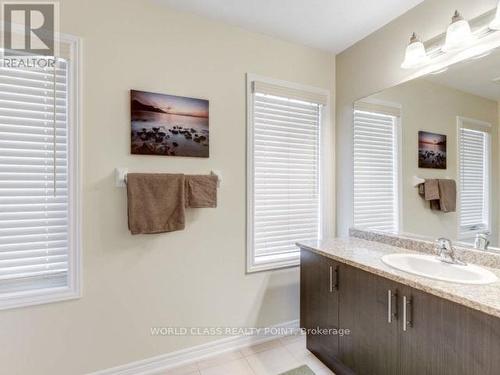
(495, 24)
(459, 34)
(459, 43)
(415, 55)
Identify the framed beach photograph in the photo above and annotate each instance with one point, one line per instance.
(169, 125)
(431, 150)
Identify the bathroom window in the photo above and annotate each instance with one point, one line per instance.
(474, 180)
(376, 178)
(284, 192)
(39, 240)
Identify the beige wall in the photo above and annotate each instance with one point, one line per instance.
(432, 107)
(373, 64)
(195, 277)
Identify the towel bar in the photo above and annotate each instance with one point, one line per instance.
(417, 180)
(121, 177)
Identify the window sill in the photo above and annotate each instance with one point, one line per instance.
(273, 263)
(39, 297)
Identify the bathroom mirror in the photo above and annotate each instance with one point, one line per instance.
(442, 127)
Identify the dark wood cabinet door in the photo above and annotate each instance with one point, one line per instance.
(421, 350)
(308, 282)
(446, 338)
(319, 304)
(329, 317)
(371, 348)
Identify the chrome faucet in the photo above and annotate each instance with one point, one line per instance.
(446, 252)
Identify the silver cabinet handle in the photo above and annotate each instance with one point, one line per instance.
(392, 305)
(406, 313)
(389, 306)
(331, 279)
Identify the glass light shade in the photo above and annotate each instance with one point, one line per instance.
(495, 24)
(458, 35)
(415, 55)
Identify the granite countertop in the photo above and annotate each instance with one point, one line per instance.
(366, 255)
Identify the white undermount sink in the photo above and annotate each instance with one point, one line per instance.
(430, 266)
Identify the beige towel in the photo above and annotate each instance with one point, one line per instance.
(156, 202)
(201, 191)
(447, 195)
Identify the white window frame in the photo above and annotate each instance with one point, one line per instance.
(74, 288)
(325, 175)
(486, 127)
(396, 110)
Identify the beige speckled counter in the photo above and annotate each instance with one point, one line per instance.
(366, 255)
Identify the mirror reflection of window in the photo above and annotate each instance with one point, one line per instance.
(376, 179)
(474, 179)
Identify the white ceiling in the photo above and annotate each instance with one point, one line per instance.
(331, 25)
(473, 76)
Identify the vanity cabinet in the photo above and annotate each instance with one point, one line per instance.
(319, 304)
(394, 329)
(446, 338)
(364, 310)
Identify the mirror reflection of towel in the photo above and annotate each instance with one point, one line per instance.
(447, 195)
(431, 189)
(441, 193)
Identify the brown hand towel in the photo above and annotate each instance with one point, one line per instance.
(431, 189)
(447, 195)
(201, 191)
(156, 202)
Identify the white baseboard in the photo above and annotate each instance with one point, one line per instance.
(163, 362)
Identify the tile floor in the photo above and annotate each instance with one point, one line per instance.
(269, 358)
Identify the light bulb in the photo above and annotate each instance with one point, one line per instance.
(415, 55)
(495, 24)
(459, 34)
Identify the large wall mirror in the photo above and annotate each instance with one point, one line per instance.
(441, 128)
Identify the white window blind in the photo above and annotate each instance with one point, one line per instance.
(375, 171)
(474, 181)
(34, 225)
(285, 174)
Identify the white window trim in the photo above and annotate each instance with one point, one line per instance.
(399, 171)
(397, 108)
(326, 173)
(74, 288)
(487, 128)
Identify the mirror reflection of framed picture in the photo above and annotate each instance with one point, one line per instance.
(431, 150)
